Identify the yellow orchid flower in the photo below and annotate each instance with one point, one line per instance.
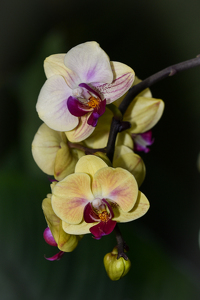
(96, 197)
(54, 235)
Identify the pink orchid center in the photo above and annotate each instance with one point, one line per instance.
(86, 100)
(99, 211)
(87, 96)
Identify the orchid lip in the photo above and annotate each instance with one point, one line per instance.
(86, 86)
(98, 213)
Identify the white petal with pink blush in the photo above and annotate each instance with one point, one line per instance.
(79, 84)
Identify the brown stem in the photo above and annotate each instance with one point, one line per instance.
(85, 149)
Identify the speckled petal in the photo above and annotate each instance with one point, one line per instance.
(70, 197)
(90, 62)
(122, 81)
(140, 208)
(117, 185)
(52, 104)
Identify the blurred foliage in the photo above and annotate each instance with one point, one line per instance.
(164, 249)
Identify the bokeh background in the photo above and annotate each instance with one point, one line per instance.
(164, 247)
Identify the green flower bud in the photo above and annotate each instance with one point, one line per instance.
(116, 268)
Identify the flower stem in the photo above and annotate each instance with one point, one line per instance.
(121, 244)
(115, 110)
(136, 89)
(169, 71)
(85, 149)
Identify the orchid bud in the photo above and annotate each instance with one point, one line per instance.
(116, 268)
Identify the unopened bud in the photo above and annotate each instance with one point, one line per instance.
(116, 268)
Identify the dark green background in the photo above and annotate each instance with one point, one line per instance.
(164, 251)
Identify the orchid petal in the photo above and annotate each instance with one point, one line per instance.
(67, 242)
(102, 228)
(99, 138)
(76, 108)
(45, 146)
(82, 228)
(89, 164)
(81, 132)
(142, 141)
(125, 158)
(63, 240)
(117, 185)
(124, 138)
(65, 162)
(48, 237)
(54, 65)
(122, 81)
(90, 62)
(143, 113)
(57, 256)
(52, 220)
(140, 208)
(52, 104)
(70, 197)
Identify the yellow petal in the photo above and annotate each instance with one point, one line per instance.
(82, 228)
(124, 138)
(45, 146)
(70, 197)
(89, 164)
(117, 185)
(52, 220)
(140, 208)
(99, 138)
(65, 241)
(125, 158)
(65, 162)
(81, 132)
(143, 113)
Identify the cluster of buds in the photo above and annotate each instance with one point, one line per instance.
(89, 192)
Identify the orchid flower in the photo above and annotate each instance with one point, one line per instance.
(142, 141)
(143, 113)
(52, 153)
(54, 234)
(49, 239)
(96, 197)
(79, 85)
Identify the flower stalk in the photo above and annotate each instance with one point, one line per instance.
(115, 125)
